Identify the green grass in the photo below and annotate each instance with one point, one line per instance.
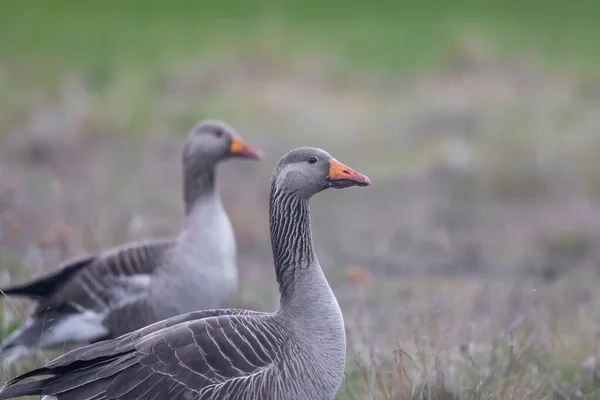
(126, 50)
(143, 43)
(392, 36)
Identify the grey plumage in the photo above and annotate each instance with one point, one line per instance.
(106, 295)
(298, 352)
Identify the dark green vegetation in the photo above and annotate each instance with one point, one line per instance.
(472, 261)
(102, 36)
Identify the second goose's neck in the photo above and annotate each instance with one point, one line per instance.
(199, 187)
(291, 239)
(207, 237)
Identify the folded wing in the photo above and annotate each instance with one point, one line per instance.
(190, 355)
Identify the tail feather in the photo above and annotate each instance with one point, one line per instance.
(21, 342)
(34, 388)
(46, 286)
(14, 389)
(78, 380)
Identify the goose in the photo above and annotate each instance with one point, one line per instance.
(297, 352)
(101, 296)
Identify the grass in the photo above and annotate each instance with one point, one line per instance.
(125, 50)
(396, 36)
(471, 269)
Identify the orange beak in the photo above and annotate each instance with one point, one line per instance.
(239, 148)
(341, 176)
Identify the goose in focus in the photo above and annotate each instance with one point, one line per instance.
(105, 295)
(298, 352)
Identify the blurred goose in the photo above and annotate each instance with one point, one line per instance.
(298, 352)
(105, 295)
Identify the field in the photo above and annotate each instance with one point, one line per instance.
(468, 270)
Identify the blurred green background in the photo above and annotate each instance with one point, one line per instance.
(396, 36)
(468, 269)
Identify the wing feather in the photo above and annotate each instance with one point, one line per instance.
(100, 284)
(214, 353)
(91, 298)
(45, 286)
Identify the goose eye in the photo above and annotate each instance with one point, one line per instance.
(312, 160)
(218, 132)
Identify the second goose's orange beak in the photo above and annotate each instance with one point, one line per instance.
(239, 148)
(341, 176)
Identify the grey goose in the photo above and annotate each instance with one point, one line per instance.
(105, 295)
(297, 352)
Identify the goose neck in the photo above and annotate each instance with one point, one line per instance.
(291, 239)
(199, 187)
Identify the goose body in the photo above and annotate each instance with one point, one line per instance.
(105, 295)
(296, 353)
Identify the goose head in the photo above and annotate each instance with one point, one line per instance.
(307, 170)
(211, 141)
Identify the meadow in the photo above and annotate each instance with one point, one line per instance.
(468, 270)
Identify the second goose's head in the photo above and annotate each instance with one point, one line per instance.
(211, 141)
(307, 171)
